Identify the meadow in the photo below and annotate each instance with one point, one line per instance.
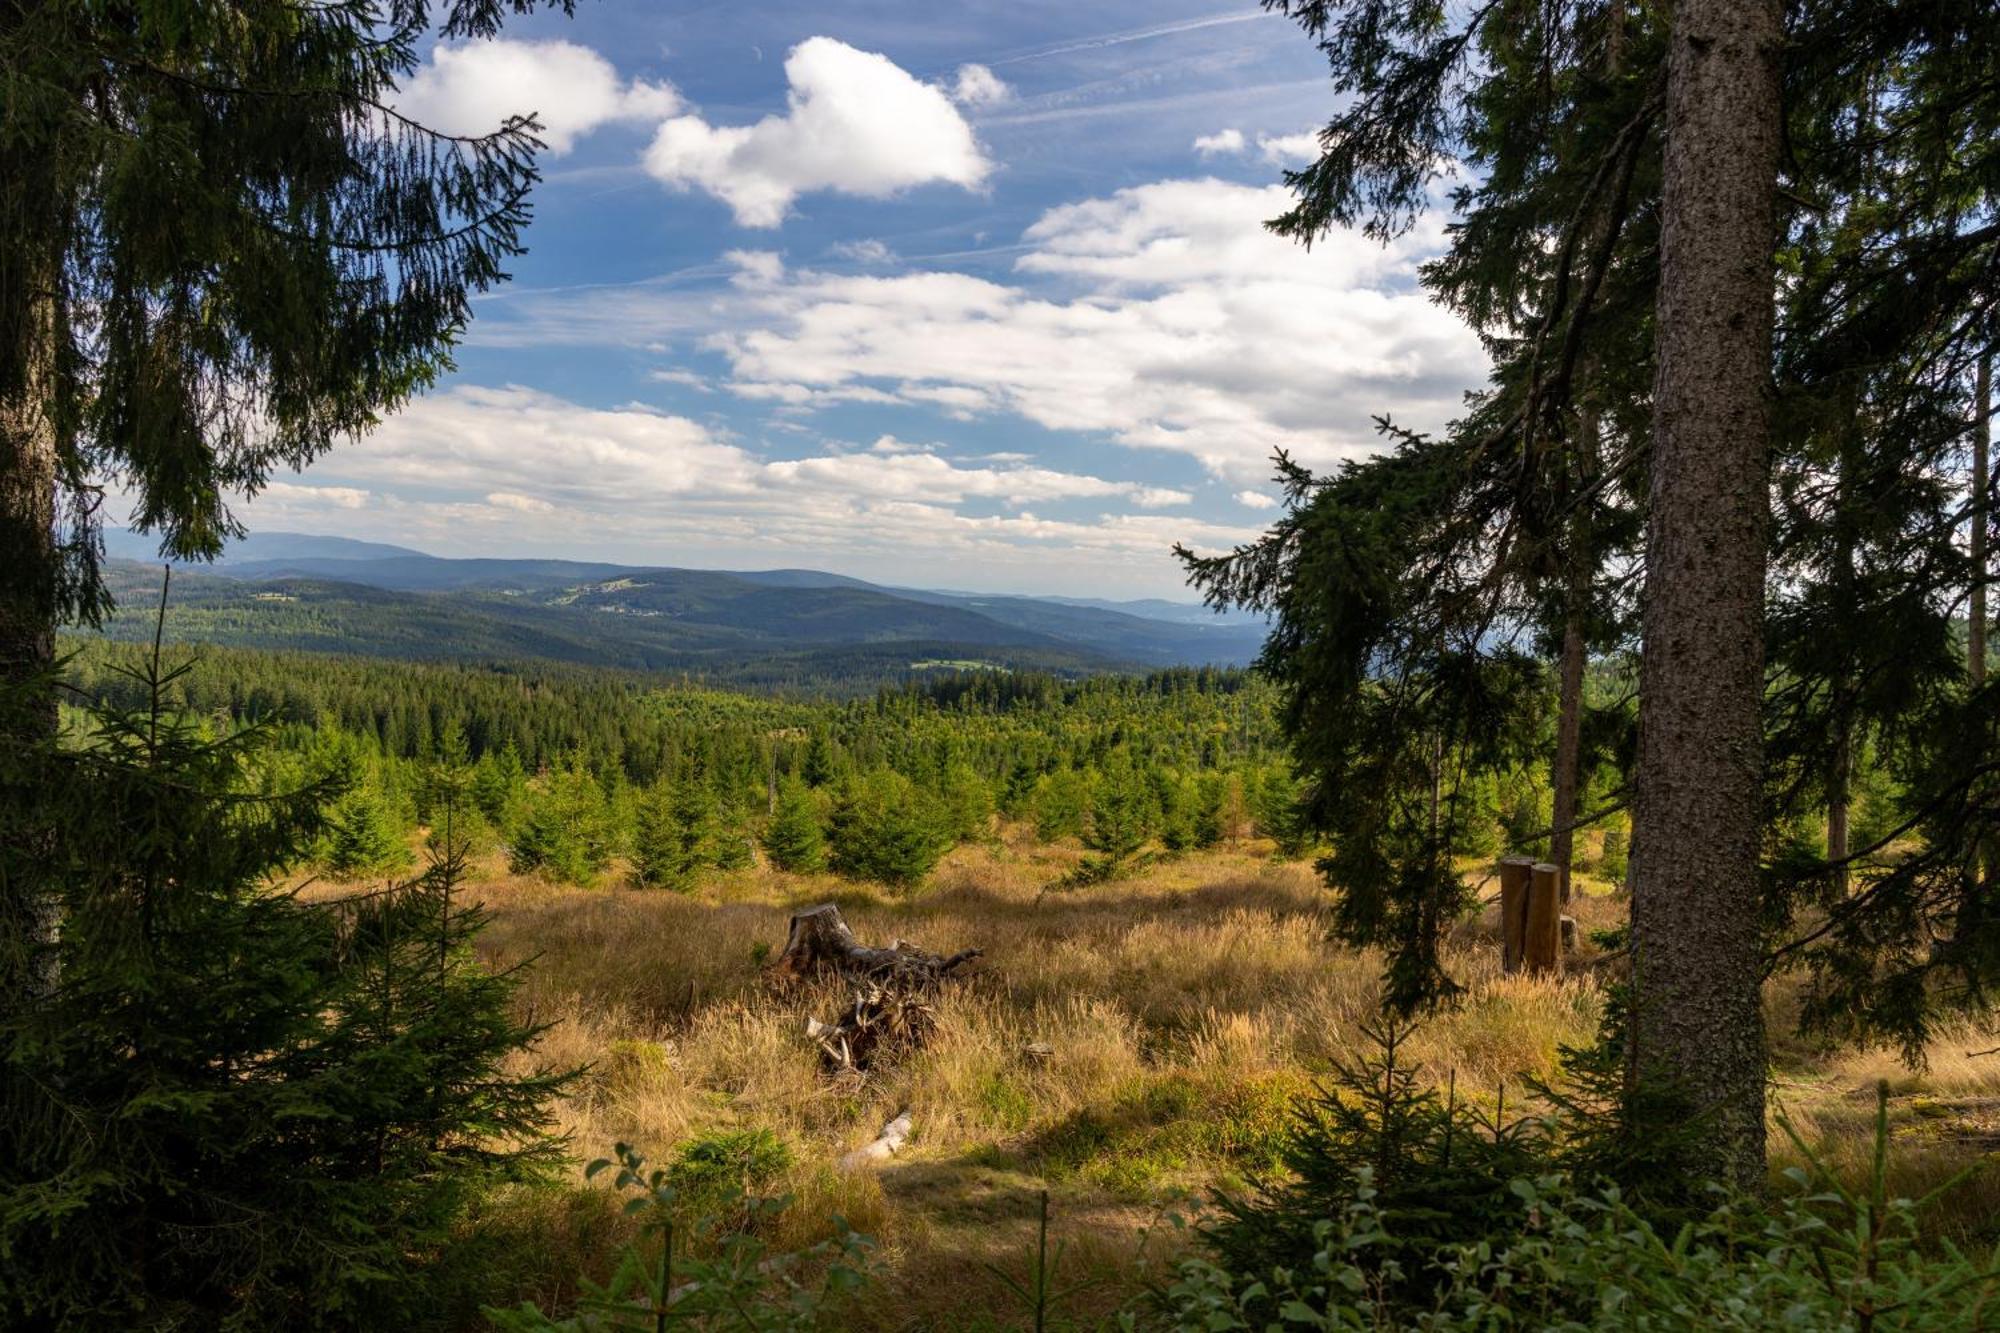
(1127, 1047)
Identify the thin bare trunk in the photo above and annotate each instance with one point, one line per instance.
(1569, 738)
(1839, 779)
(1695, 911)
(1569, 703)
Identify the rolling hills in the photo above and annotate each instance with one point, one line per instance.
(782, 627)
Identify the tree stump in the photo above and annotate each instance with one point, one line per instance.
(1541, 943)
(890, 988)
(1515, 874)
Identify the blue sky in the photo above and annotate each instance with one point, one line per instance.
(969, 295)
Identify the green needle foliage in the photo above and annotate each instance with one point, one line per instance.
(1122, 811)
(793, 839)
(567, 833)
(362, 839)
(678, 834)
(884, 828)
(1582, 1258)
(238, 1108)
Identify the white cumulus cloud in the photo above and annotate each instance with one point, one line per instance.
(1190, 329)
(1221, 143)
(1256, 500)
(1289, 150)
(977, 85)
(856, 123)
(473, 87)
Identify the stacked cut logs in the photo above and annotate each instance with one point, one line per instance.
(890, 990)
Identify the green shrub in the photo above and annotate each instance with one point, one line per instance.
(1821, 1257)
(745, 1288)
(726, 1164)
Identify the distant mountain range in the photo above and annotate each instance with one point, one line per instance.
(763, 627)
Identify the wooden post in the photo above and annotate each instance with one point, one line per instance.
(1514, 877)
(1541, 942)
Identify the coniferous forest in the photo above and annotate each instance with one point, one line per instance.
(1581, 914)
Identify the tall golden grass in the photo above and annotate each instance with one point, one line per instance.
(1119, 1043)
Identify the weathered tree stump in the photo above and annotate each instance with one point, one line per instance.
(1541, 943)
(1515, 875)
(891, 988)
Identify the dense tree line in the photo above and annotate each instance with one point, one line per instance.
(572, 768)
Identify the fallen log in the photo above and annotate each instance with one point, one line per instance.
(886, 1145)
(891, 988)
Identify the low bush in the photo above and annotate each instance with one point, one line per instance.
(1820, 1257)
(745, 1287)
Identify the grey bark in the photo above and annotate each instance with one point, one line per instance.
(1697, 964)
(29, 919)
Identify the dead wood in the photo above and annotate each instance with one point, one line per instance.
(889, 990)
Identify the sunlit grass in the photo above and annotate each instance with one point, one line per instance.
(1122, 1043)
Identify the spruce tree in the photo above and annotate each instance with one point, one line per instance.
(241, 1108)
(732, 847)
(361, 838)
(678, 834)
(1121, 814)
(1417, 592)
(567, 833)
(793, 839)
(1061, 800)
(884, 828)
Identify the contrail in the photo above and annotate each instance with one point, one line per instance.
(1136, 35)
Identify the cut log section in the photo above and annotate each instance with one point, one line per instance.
(891, 988)
(1541, 943)
(1516, 874)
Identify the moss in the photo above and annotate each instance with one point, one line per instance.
(631, 1065)
(1005, 1101)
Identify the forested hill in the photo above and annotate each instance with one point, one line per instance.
(778, 628)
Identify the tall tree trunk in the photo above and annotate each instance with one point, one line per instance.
(1988, 856)
(1840, 764)
(1696, 951)
(28, 917)
(1982, 418)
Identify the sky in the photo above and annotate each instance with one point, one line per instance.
(972, 295)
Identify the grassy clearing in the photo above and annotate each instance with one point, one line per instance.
(1180, 1010)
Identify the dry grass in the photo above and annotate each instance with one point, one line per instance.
(1182, 1010)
